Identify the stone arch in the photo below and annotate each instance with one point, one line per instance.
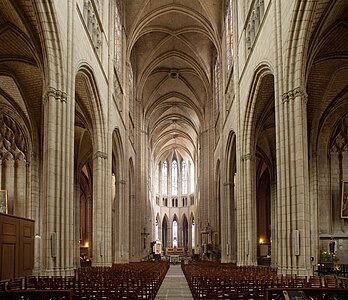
(15, 169)
(255, 108)
(90, 149)
(298, 43)
(89, 104)
(185, 232)
(192, 235)
(332, 155)
(165, 233)
(117, 197)
(139, 26)
(228, 216)
(174, 234)
(258, 134)
(52, 54)
(216, 238)
(325, 96)
(132, 216)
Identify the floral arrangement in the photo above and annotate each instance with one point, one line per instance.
(329, 257)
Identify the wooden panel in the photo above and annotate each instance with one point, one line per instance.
(8, 228)
(28, 257)
(16, 246)
(26, 241)
(27, 231)
(9, 231)
(8, 261)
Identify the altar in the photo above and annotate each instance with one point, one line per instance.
(174, 253)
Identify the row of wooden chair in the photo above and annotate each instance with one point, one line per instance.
(213, 280)
(122, 281)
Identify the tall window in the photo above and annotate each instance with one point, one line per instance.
(193, 233)
(192, 178)
(175, 233)
(118, 41)
(217, 83)
(164, 178)
(174, 177)
(229, 36)
(156, 181)
(184, 177)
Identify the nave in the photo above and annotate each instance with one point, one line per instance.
(174, 285)
(133, 128)
(161, 280)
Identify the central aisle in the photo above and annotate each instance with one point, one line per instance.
(174, 285)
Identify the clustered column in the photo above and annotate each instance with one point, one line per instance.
(293, 229)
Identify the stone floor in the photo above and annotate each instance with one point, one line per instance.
(174, 285)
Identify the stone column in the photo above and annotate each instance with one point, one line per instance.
(76, 229)
(293, 231)
(247, 230)
(226, 224)
(122, 224)
(102, 211)
(57, 239)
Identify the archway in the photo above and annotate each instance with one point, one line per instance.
(83, 189)
(132, 215)
(164, 234)
(229, 235)
(259, 154)
(216, 239)
(265, 164)
(120, 249)
(175, 232)
(185, 233)
(86, 205)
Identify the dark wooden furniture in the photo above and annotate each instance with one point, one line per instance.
(310, 293)
(16, 246)
(36, 294)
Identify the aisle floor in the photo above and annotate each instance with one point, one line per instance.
(174, 285)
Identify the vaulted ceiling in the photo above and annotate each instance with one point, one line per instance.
(173, 44)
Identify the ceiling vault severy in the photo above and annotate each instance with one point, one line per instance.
(173, 44)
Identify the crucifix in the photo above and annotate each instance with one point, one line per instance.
(145, 234)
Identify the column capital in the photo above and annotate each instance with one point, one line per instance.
(53, 92)
(100, 154)
(247, 156)
(296, 92)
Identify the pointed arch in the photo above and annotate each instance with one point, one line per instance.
(216, 239)
(131, 208)
(89, 104)
(119, 212)
(185, 232)
(254, 109)
(229, 218)
(165, 233)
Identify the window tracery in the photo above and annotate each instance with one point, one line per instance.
(339, 141)
(229, 36)
(184, 177)
(91, 11)
(164, 178)
(174, 181)
(254, 22)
